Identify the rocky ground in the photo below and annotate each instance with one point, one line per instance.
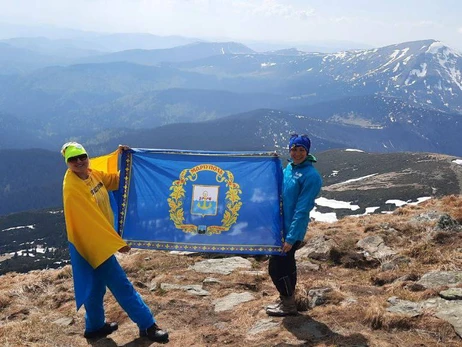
(377, 280)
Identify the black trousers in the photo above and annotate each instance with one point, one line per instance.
(283, 271)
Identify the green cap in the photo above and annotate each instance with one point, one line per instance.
(72, 149)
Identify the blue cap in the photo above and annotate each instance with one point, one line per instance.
(300, 140)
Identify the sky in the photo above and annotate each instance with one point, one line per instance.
(370, 22)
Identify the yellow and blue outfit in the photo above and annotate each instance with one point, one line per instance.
(92, 244)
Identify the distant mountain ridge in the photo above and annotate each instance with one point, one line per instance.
(47, 38)
(32, 179)
(425, 73)
(391, 126)
(20, 60)
(266, 130)
(58, 48)
(192, 51)
(378, 99)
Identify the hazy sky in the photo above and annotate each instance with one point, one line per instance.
(373, 22)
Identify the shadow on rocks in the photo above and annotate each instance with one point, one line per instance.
(312, 332)
(108, 342)
(102, 342)
(143, 342)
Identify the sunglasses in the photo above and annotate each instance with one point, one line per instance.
(296, 135)
(81, 157)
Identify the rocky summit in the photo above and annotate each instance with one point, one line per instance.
(374, 280)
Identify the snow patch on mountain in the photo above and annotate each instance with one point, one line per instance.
(357, 179)
(336, 204)
(400, 203)
(419, 73)
(20, 227)
(438, 46)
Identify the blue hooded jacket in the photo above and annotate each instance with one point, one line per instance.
(301, 184)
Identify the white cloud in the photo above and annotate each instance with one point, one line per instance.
(269, 20)
(259, 195)
(342, 19)
(424, 23)
(273, 8)
(238, 229)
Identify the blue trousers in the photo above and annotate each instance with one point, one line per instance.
(110, 274)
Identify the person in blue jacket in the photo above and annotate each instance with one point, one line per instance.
(301, 184)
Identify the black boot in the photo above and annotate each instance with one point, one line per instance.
(276, 304)
(107, 329)
(154, 333)
(288, 307)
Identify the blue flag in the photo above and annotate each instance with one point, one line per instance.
(226, 202)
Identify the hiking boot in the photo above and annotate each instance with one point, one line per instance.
(275, 304)
(287, 307)
(154, 333)
(108, 328)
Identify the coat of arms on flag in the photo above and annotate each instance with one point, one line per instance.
(228, 202)
(205, 200)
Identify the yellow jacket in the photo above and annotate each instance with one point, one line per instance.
(89, 218)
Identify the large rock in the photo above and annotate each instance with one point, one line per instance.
(223, 266)
(316, 248)
(452, 294)
(447, 223)
(262, 326)
(449, 311)
(395, 263)
(230, 301)
(193, 289)
(429, 216)
(307, 265)
(436, 279)
(317, 296)
(404, 307)
(375, 247)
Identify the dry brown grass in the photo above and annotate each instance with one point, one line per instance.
(378, 318)
(381, 278)
(354, 312)
(5, 300)
(63, 273)
(448, 238)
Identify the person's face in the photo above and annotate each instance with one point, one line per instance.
(78, 164)
(298, 154)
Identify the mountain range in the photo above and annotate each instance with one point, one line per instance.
(215, 96)
(414, 87)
